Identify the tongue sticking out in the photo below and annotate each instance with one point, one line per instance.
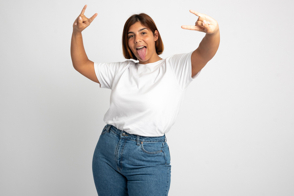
(142, 53)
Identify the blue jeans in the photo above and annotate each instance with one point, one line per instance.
(131, 165)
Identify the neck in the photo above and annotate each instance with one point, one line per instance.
(151, 60)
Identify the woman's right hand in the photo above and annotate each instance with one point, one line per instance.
(82, 21)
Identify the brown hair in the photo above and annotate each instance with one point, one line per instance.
(145, 20)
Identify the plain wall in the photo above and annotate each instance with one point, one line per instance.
(233, 136)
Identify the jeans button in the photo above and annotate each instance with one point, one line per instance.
(123, 134)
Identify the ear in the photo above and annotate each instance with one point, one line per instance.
(155, 35)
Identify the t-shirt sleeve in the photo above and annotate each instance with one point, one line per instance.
(182, 67)
(106, 72)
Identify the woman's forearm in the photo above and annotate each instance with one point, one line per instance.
(209, 45)
(78, 54)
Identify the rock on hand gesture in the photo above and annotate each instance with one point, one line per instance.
(82, 21)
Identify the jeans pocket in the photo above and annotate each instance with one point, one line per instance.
(151, 147)
(166, 154)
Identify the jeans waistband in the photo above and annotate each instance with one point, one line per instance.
(134, 137)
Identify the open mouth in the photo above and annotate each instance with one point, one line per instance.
(140, 48)
(141, 52)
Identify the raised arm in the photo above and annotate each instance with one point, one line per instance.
(209, 44)
(79, 57)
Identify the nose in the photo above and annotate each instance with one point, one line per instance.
(138, 39)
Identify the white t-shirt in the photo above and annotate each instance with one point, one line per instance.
(145, 98)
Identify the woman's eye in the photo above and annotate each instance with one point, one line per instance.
(141, 33)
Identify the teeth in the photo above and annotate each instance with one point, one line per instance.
(140, 47)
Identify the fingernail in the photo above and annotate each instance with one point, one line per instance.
(80, 18)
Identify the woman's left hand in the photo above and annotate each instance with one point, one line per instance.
(204, 24)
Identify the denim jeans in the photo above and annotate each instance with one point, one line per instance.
(131, 165)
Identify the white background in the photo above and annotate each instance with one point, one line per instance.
(234, 133)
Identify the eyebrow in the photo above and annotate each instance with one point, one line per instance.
(138, 31)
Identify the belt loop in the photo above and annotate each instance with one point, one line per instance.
(138, 140)
(165, 138)
(108, 128)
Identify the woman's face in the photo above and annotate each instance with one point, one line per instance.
(140, 36)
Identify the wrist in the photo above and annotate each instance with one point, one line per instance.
(215, 32)
(76, 33)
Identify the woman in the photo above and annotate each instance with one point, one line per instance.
(132, 156)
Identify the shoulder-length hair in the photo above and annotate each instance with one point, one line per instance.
(147, 21)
